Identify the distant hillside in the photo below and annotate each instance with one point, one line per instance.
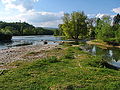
(23, 28)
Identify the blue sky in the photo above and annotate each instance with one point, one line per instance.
(89, 6)
(48, 13)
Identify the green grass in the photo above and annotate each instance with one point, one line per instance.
(67, 68)
(99, 41)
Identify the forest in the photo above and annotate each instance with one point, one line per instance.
(78, 26)
(7, 30)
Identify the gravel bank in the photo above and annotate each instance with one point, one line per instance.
(23, 53)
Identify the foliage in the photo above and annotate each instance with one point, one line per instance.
(28, 31)
(106, 32)
(116, 19)
(42, 31)
(74, 25)
(90, 26)
(23, 28)
(117, 35)
(103, 28)
(5, 35)
(5, 31)
(56, 32)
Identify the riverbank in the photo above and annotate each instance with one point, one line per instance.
(62, 68)
(101, 43)
(23, 53)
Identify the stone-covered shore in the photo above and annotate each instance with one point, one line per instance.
(28, 53)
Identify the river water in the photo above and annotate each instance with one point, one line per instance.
(29, 40)
(111, 55)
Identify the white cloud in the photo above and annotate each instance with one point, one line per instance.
(20, 5)
(116, 10)
(44, 19)
(50, 23)
(35, 0)
(101, 15)
(24, 10)
(34, 16)
(7, 1)
(91, 15)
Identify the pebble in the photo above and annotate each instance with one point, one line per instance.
(14, 54)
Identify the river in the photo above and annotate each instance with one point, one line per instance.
(110, 55)
(29, 40)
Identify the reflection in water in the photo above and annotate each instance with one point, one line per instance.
(111, 55)
(3, 45)
(94, 50)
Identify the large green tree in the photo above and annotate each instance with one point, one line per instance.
(103, 28)
(74, 25)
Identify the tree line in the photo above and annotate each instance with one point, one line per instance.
(23, 28)
(77, 25)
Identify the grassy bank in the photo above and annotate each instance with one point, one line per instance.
(64, 68)
(102, 43)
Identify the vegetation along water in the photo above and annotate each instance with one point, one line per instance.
(72, 65)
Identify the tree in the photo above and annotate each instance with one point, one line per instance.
(91, 27)
(74, 25)
(117, 35)
(103, 28)
(116, 19)
(56, 32)
(60, 30)
(28, 31)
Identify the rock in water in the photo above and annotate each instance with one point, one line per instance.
(45, 42)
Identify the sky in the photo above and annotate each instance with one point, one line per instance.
(49, 13)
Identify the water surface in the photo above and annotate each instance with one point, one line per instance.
(110, 55)
(29, 40)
